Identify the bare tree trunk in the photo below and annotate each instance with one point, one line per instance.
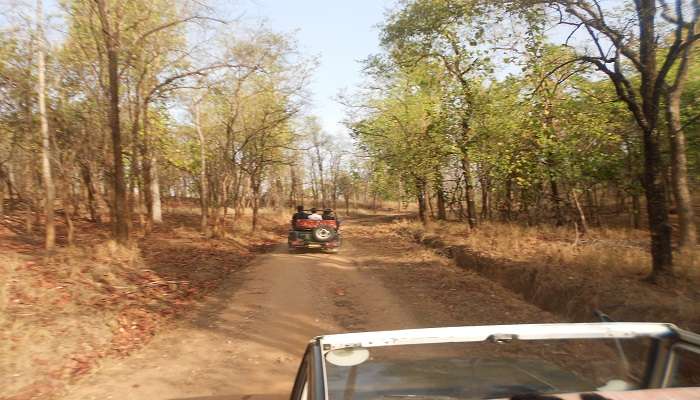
(255, 201)
(400, 195)
(469, 190)
(334, 197)
(485, 198)
(121, 223)
(581, 214)
(237, 193)
(49, 190)
(154, 190)
(293, 198)
(149, 173)
(28, 185)
(10, 180)
(440, 195)
(657, 211)
(146, 175)
(556, 201)
(679, 167)
(135, 187)
(319, 162)
(314, 185)
(219, 210)
(422, 207)
(92, 194)
(49, 195)
(654, 186)
(429, 199)
(68, 215)
(636, 212)
(442, 211)
(239, 203)
(204, 189)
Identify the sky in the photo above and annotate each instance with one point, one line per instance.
(340, 32)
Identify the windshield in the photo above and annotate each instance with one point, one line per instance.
(489, 370)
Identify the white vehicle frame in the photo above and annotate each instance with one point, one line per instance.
(667, 339)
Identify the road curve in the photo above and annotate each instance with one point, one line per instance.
(249, 338)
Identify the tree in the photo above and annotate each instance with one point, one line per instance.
(111, 135)
(618, 50)
(203, 184)
(403, 130)
(318, 142)
(110, 39)
(50, 238)
(677, 138)
(447, 32)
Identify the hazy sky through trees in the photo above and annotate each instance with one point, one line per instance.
(340, 32)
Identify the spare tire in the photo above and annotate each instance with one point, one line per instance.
(324, 233)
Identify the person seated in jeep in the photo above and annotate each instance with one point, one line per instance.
(313, 216)
(329, 215)
(300, 214)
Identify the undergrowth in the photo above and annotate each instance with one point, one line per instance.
(60, 315)
(601, 251)
(570, 275)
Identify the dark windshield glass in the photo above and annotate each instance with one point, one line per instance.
(489, 370)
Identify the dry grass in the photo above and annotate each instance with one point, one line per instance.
(60, 315)
(602, 251)
(555, 270)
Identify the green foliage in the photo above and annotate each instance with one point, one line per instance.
(404, 129)
(437, 101)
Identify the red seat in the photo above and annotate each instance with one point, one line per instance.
(311, 224)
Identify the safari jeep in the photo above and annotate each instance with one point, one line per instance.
(308, 233)
(607, 360)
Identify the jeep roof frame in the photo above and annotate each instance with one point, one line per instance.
(500, 333)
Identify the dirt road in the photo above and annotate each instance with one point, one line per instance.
(247, 339)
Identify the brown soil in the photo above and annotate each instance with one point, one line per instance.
(246, 338)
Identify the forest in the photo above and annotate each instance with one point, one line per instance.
(496, 162)
(143, 102)
(545, 112)
(572, 113)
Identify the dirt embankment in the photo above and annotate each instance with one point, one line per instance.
(571, 291)
(61, 315)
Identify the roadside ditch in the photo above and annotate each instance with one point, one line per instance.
(570, 293)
